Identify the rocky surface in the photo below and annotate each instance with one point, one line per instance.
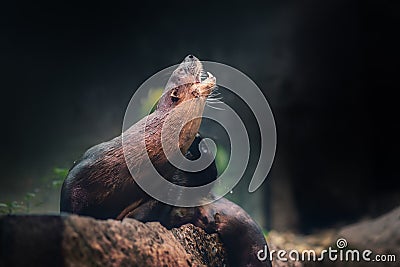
(380, 235)
(82, 241)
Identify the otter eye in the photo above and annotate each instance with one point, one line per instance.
(174, 95)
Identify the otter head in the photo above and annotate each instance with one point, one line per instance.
(186, 84)
(181, 106)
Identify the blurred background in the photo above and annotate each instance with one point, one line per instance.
(329, 70)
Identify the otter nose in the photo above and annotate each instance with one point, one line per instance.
(190, 58)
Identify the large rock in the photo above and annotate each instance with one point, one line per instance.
(82, 241)
(381, 234)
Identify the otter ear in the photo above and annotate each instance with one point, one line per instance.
(174, 95)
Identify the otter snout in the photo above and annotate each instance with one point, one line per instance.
(192, 66)
(190, 58)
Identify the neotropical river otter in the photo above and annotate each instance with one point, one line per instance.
(100, 184)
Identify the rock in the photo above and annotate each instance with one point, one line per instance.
(82, 241)
(382, 235)
(288, 241)
(202, 246)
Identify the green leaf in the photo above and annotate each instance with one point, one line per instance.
(29, 196)
(221, 159)
(57, 183)
(61, 173)
(149, 104)
(16, 205)
(4, 208)
(265, 232)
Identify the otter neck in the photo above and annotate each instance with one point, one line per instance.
(186, 117)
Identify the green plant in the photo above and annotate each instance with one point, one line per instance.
(10, 207)
(3, 208)
(221, 159)
(150, 103)
(60, 175)
(35, 199)
(265, 232)
(28, 201)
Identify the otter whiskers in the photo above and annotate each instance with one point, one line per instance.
(214, 99)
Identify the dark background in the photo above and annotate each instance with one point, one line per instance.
(328, 68)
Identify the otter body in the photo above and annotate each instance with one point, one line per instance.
(98, 187)
(100, 184)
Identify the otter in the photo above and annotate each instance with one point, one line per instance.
(100, 184)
